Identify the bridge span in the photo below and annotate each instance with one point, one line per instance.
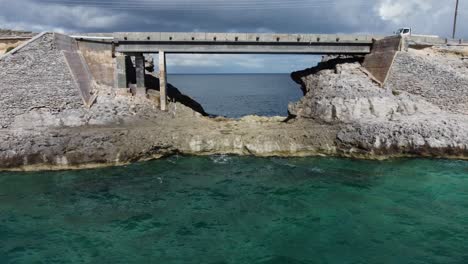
(243, 43)
(129, 49)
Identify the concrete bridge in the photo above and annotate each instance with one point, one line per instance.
(246, 43)
(128, 47)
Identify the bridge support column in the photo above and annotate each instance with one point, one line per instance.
(163, 80)
(120, 74)
(140, 75)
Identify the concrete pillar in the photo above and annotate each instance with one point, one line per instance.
(163, 80)
(120, 74)
(140, 75)
(140, 70)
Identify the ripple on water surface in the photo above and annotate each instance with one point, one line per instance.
(224, 209)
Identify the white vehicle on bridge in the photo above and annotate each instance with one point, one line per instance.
(408, 32)
(404, 32)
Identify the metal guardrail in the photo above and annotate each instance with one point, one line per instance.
(457, 42)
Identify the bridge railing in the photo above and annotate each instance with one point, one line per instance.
(242, 37)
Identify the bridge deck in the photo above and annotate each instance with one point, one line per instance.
(243, 43)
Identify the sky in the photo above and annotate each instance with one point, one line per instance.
(434, 17)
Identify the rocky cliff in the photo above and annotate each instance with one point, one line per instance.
(421, 111)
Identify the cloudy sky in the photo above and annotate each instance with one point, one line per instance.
(281, 16)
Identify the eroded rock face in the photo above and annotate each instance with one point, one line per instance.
(416, 135)
(421, 110)
(438, 76)
(44, 124)
(347, 94)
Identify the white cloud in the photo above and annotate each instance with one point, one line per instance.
(397, 10)
(303, 16)
(26, 14)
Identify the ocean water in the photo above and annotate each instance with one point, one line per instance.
(225, 209)
(237, 95)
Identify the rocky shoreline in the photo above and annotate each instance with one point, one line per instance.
(421, 111)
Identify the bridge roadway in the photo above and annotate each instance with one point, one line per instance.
(243, 43)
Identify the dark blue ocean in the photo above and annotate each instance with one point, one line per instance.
(239, 210)
(237, 95)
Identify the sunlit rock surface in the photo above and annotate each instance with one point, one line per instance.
(420, 111)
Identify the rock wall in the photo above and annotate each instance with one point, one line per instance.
(436, 75)
(44, 124)
(39, 93)
(346, 94)
(443, 136)
(36, 78)
(421, 111)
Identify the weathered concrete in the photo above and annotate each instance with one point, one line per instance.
(121, 81)
(152, 42)
(100, 60)
(140, 70)
(194, 37)
(162, 80)
(36, 80)
(380, 60)
(77, 66)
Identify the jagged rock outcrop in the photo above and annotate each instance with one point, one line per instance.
(45, 125)
(438, 76)
(421, 110)
(418, 135)
(347, 94)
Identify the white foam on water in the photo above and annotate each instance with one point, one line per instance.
(221, 159)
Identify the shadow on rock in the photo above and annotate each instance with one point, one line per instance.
(152, 83)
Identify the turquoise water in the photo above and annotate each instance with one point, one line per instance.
(239, 210)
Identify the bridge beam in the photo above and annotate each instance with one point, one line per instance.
(261, 48)
(162, 80)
